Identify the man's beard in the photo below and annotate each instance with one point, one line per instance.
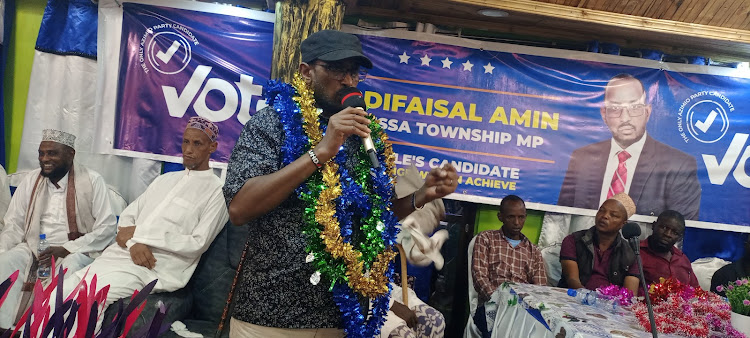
(57, 173)
(657, 245)
(328, 105)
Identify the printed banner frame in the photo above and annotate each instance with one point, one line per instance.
(646, 69)
(110, 90)
(428, 43)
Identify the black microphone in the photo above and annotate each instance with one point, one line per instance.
(352, 97)
(632, 231)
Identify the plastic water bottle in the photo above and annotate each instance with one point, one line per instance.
(593, 298)
(583, 296)
(43, 270)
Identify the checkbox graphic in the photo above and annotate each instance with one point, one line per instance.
(165, 57)
(705, 125)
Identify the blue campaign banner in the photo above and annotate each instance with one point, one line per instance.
(178, 63)
(565, 133)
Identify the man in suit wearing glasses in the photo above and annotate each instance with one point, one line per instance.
(657, 176)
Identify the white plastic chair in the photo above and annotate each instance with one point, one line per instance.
(471, 330)
(116, 200)
(704, 269)
(551, 256)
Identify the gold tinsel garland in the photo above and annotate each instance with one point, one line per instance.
(374, 282)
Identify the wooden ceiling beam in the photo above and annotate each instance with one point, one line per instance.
(746, 21)
(597, 17)
(721, 20)
(661, 11)
(577, 31)
(735, 20)
(497, 26)
(694, 9)
(744, 14)
(630, 7)
(672, 9)
(645, 7)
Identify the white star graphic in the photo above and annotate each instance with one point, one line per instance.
(447, 63)
(467, 65)
(404, 58)
(425, 60)
(488, 68)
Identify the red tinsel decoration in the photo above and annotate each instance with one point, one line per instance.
(681, 309)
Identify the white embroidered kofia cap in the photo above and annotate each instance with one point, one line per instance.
(626, 201)
(59, 137)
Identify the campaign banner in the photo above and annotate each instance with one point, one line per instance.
(552, 129)
(546, 125)
(177, 63)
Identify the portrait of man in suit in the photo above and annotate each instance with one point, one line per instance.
(657, 176)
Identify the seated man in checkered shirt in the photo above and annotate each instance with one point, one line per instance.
(505, 255)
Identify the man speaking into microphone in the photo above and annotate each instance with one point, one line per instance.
(352, 97)
(281, 293)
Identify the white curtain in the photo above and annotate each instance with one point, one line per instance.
(63, 95)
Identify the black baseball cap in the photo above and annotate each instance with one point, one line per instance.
(331, 45)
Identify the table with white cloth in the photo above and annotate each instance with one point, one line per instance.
(526, 310)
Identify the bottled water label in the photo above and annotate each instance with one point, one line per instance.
(44, 269)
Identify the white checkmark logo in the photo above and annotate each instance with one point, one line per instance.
(704, 125)
(165, 57)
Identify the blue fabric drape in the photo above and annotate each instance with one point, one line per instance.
(700, 243)
(651, 54)
(169, 167)
(8, 16)
(69, 28)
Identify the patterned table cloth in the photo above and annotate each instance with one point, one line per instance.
(555, 314)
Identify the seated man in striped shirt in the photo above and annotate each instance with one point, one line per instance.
(505, 255)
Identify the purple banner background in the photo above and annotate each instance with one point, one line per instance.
(178, 63)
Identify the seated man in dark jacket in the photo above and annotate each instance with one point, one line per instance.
(599, 256)
(732, 272)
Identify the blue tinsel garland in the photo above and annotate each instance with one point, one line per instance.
(353, 202)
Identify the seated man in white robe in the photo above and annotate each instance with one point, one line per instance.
(164, 232)
(66, 202)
